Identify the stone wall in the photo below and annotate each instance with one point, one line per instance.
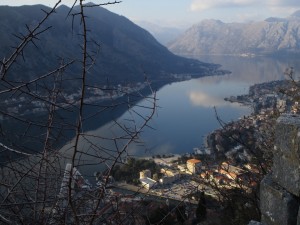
(280, 190)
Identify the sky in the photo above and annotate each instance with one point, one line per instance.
(184, 13)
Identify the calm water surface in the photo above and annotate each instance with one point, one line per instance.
(186, 109)
(186, 114)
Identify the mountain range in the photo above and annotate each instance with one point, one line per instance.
(213, 37)
(127, 52)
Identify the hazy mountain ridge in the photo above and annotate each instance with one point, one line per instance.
(127, 52)
(272, 36)
(164, 34)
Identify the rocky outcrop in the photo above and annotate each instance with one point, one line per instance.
(280, 190)
(286, 165)
(278, 205)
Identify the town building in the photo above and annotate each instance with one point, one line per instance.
(169, 176)
(145, 173)
(145, 179)
(193, 165)
(232, 172)
(182, 167)
(281, 105)
(147, 183)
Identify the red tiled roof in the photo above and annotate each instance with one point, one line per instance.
(193, 161)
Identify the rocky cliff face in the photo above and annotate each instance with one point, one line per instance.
(280, 190)
(274, 35)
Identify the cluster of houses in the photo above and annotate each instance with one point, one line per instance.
(111, 208)
(224, 175)
(170, 175)
(229, 176)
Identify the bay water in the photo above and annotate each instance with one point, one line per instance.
(186, 109)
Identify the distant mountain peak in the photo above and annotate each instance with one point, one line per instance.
(212, 22)
(210, 37)
(296, 14)
(275, 19)
(63, 8)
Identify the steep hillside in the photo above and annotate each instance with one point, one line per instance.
(127, 52)
(272, 36)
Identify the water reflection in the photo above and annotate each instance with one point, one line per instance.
(204, 100)
(185, 114)
(253, 70)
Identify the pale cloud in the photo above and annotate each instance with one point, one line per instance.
(283, 6)
(247, 17)
(199, 5)
(49, 3)
(283, 3)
